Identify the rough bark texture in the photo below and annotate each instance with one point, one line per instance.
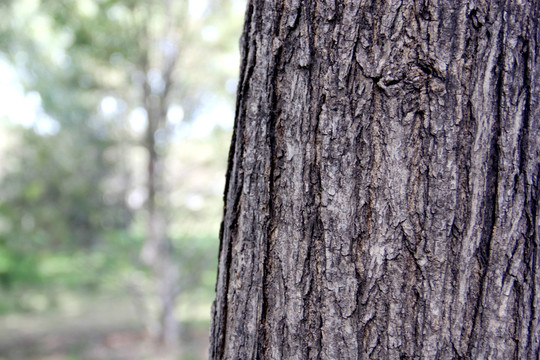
(382, 195)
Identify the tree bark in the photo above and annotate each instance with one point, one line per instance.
(382, 194)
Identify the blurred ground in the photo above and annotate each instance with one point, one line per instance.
(104, 329)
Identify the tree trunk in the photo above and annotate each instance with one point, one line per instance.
(157, 251)
(382, 194)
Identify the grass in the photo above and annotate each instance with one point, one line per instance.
(96, 328)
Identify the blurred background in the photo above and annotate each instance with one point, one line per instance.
(115, 122)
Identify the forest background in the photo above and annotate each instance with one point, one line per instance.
(115, 123)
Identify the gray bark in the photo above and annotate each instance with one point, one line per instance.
(382, 194)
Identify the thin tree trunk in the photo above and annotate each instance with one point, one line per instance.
(157, 251)
(382, 194)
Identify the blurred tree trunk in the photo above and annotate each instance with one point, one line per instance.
(382, 194)
(157, 252)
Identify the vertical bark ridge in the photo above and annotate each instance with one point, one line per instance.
(231, 197)
(273, 91)
(492, 191)
(312, 331)
(313, 297)
(528, 138)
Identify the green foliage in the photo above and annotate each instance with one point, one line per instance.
(66, 223)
